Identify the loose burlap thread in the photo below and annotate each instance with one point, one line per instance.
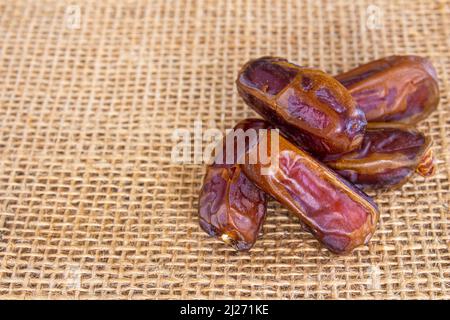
(91, 205)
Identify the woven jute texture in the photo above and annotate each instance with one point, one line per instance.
(91, 205)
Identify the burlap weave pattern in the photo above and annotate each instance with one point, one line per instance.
(91, 205)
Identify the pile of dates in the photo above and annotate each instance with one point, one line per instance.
(339, 136)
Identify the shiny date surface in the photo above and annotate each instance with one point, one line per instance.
(339, 215)
(388, 157)
(394, 89)
(310, 107)
(231, 208)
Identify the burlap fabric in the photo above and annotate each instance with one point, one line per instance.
(91, 205)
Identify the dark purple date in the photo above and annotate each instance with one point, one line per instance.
(310, 107)
(231, 207)
(394, 89)
(388, 157)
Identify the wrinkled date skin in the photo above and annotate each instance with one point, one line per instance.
(310, 107)
(388, 157)
(231, 207)
(396, 88)
(339, 215)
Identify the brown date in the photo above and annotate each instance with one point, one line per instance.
(388, 157)
(338, 214)
(231, 207)
(310, 107)
(396, 88)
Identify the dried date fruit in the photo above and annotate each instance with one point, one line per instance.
(338, 214)
(310, 107)
(396, 88)
(388, 157)
(231, 207)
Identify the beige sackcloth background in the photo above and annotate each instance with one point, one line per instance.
(91, 205)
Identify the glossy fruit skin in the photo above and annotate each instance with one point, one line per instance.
(394, 89)
(310, 107)
(388, 157)
(338, 214)
(231, 207)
